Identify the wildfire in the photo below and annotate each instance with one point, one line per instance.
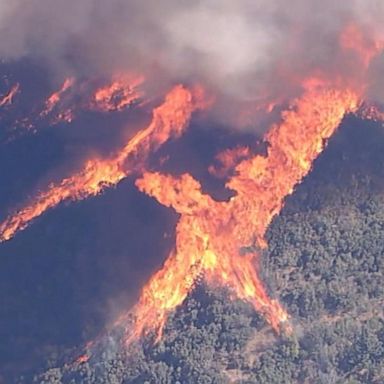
(61, 106)
(219, 240)
(55, 98)
(169, 121)
(8, 98)
(371, 112)
(211, 234)
(227, 160)
(118, 95)
(75, 97)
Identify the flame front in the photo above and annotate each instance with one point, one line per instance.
(169, 121)
(210, 234)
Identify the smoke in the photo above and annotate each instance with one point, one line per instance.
(243, 50)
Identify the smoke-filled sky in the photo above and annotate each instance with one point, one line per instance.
(239, 47)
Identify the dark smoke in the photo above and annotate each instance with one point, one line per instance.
(242, 49)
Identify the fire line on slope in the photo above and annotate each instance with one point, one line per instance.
(209, 234)
(169, 121)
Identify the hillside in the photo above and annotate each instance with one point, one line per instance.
(324, 262)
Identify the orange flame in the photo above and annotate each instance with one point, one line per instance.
(8, 98)
(81, 359)
(169, 121)
(228, 159)
(355, 40)
(121, 93)
(118, 95)
(210, 234)
(214, 239)
(55, 98)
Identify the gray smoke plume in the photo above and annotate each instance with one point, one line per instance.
(242, 49)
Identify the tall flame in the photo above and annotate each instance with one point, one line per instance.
(210, 234)
(169, 121)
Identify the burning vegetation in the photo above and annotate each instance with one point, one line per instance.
(218, 242)
(211, 236)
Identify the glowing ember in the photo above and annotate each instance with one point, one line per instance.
(169, 121)
(228, 159)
